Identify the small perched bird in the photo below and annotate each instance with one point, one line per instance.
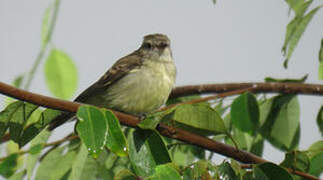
(137, 84)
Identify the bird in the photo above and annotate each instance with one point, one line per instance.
(137, 84)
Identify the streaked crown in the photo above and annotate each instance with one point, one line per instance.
(153, 41)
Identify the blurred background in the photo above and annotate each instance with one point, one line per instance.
(231, 41)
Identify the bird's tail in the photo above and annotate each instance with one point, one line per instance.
(59, 120)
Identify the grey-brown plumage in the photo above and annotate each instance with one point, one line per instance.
(138, 83)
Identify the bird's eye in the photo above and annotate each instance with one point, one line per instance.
(163, 45)
(147, 45)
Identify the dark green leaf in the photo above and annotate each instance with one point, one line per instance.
(152, 120)
(319, 120)
(199, 117)
(116, 140)
(33, 129)
(7, 114)
(165, 171)
(92, 128)
(60, 74)
(8, 166)
(281, 126)
(270, 171)
(245, 113)
(316, 165)
(32, 158)
(297, 160)
(146, 151)
(225, 171)
(301, 80)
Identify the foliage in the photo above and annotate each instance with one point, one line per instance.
(107, 150)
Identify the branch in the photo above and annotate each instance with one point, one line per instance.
(288, 88)
(131, 121)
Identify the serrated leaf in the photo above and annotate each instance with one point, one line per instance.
(297, 160)
(92, 129)
(8, 166)
(61, 74)
(245, 113)
(270, 171)
(116, 140)
(165, 171)
(301, 80)
(200, 117)
(281, 126)
(146, 151)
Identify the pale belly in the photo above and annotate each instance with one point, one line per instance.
(141, 91)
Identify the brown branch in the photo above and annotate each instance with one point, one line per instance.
(128, 120)
(290, 88)
(298, 173)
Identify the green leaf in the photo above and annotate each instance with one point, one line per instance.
(245, 113)
(281, 126)
(295, 30)
(297, 160)
(55, 165)
(225, 171)
(152, 120)
(200, 117)
(116, 140)
(79, 163)
(321, 61)
(315, 149)
(6, 115)
(270, 171)
(35, 128)
(165, 171)
(319, 120)
(298, 6)
(200, 169)
(92, 129)
(301, 80)
(146, 151)
(316, 165)
(125, 175)
(61, 74)
(8, 166)
(32, 158)
(185, 154)
(18, 176)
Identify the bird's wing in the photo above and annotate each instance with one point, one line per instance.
(117, 71)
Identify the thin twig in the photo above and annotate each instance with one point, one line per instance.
(55, 143)
(44, 47)
(289, 88)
